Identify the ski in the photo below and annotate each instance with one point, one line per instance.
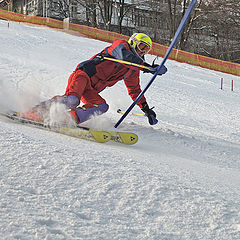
(77, 132)
(80, 132)
(124, 137)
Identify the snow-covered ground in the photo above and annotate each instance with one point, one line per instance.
(181, 181)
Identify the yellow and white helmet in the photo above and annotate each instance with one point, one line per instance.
(141, 41)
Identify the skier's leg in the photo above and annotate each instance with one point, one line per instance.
(77, 83)
(94, 104)
(85, 114)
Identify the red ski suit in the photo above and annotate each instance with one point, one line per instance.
(94, 75)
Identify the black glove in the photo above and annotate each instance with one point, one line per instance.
(149, 113)
(152, 69)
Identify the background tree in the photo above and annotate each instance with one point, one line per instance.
(90, 7)
(106, 11)
(217, 30)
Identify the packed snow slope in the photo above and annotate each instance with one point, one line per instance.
(181, 181)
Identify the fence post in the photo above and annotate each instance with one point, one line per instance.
(232, 86)
(221, 83)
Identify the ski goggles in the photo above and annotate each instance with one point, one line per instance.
(143, 47)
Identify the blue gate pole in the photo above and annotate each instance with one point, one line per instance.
(177, 34)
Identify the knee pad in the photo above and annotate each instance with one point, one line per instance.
(86, 113)
(70, 101)
(103, 107)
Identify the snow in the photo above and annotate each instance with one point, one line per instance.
(180, 181)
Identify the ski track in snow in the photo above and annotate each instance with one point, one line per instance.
(180, 181)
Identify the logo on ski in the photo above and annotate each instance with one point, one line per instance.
(105, 136)
(132, 139)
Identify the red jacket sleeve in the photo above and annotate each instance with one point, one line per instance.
(132, 83)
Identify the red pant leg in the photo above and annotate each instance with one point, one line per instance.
(91, 97)
(77, 83)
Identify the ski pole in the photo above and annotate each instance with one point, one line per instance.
(135, 114)
(125, 62)
(177, 34)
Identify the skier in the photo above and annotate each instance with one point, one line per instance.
(94, 75)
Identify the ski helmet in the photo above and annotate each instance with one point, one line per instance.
(141, 41)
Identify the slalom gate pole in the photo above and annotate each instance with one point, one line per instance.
(177, 34)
